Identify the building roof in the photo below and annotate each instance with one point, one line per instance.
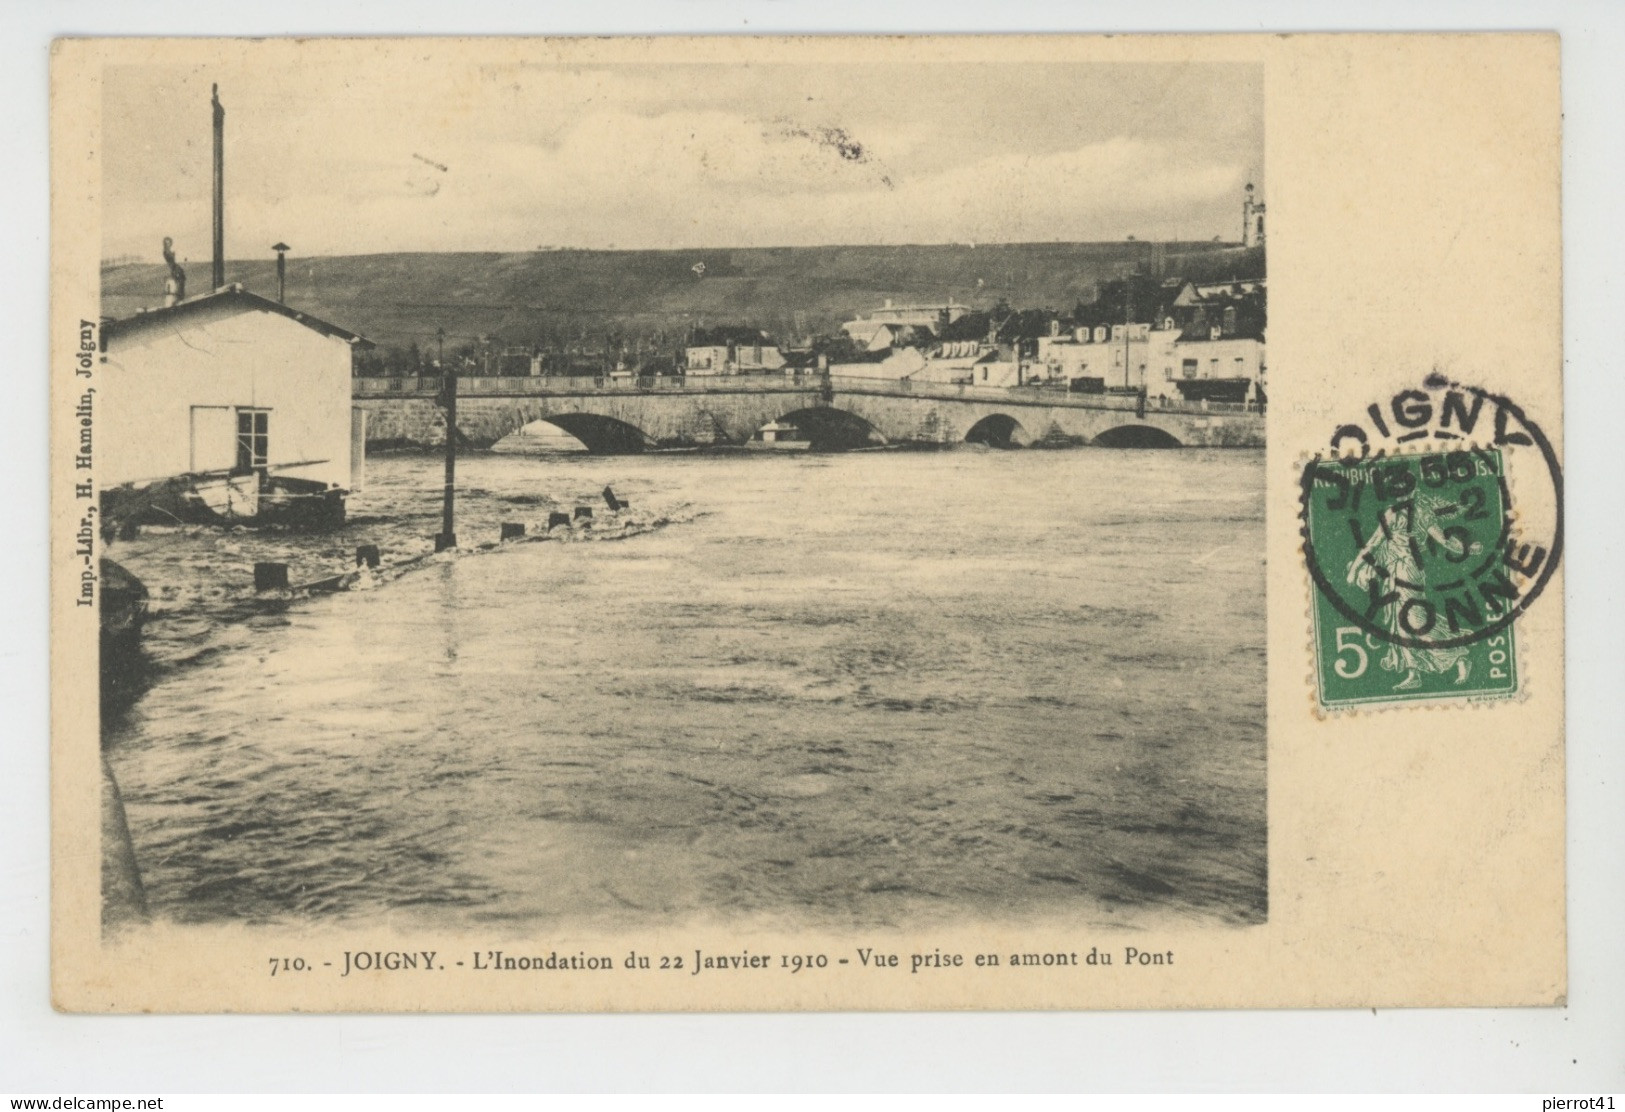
(1230, 289)
(723, 334)
(935, 307)
(1145, 298)
(1196, 292)
(865, 331)
(972, 326)
(1201, 332)
(959, 349)
(1026, 324)
(1239, 316)
(231, 297)
(862, 357)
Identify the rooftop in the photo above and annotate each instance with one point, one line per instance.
(231, 298)
(723, 334)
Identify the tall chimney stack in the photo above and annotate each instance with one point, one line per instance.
(219, 190)
(281, 250)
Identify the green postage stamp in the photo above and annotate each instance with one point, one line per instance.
(1412, 582)
(1432, 524)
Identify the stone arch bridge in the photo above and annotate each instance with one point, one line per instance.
(672, 413)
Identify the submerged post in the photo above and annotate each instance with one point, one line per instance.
(270, 576)
(447, 538)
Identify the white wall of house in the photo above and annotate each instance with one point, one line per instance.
(168, 395)
(1225, 358)
(870, 334)
(733, 359)
(997, 374)
(758, 357)
(939, 370)
(900, 364)
(711, 359)
(1067, 358)
(1149, 352)
(916, 316)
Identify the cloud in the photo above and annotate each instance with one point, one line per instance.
(510, 158)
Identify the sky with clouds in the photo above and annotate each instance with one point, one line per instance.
(351, 160)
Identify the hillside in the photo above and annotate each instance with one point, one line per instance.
(554, 298)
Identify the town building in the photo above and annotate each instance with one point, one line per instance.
(1210, 363)
(234, 387)
(730, 350)
(997, 368)
(954, 361)
(1116, 357)
(898, 365)
(893, 324)
(872, 336)
(1220, 351)
(1197, 301)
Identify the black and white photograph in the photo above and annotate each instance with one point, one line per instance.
(816, 496)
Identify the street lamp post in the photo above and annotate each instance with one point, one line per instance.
(1128, 325)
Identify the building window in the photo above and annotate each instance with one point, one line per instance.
(1213, 368)
(253, 438)
(1241, 367)
(1168, 372)
(1189, 368)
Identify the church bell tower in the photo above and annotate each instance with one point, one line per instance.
(1252, 220)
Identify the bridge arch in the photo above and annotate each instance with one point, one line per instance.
(832, 429)
(1136, 436)
(998, 430)
(595, 433)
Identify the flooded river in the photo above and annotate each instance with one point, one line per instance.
(826, 690)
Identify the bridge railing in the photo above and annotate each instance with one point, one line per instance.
(383, 386)
(1035, 394)
(422, 386)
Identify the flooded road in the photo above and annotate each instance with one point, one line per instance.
(825, 690)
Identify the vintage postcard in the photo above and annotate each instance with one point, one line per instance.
(830, 523)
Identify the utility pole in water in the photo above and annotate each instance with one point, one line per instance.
(447, 537)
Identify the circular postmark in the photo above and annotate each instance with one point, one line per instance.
(1428, 527)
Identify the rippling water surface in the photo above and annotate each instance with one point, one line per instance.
(862, 689)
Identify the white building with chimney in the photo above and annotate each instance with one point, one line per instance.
(234, 391)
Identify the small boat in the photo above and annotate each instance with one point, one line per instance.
(778, 436)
